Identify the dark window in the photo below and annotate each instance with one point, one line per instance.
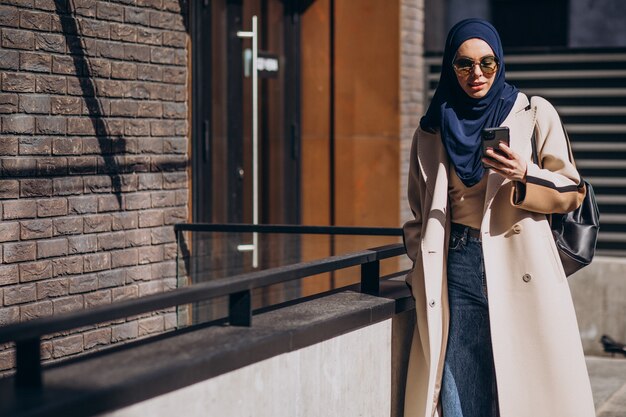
(531, 23)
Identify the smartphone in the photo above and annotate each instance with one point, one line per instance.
(492, 137)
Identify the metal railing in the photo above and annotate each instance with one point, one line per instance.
(27, 336)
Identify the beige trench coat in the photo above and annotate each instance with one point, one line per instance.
(539, 362)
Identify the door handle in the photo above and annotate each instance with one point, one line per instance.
(254, 35)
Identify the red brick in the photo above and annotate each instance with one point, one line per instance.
(149, 73)
(35, 229)
(9, 60)
(97, 298)
(9, 231)
(112, 278)
(83, 205)
(124, 220)
(67, 304)
(97, 223)
(149, 288)
(149, 36)
(150, 254)
(68, 265)
(9, 16)
(140, 16)
(35, 271)
(125, 33)
(67, 226)
(175, 75)
(19, 252)
(151, 325)
(139, 273)
(98, 337)
(36, 310)
(126, 257)
(150, 181)
(67, 346)
(126, 292)
(66, 105)
(8, 103)
(52, 207)
(137, 201)
(52, 288)
(175, 39)
(36, 188)
(7, 360)
(174, 180)
(96, 262)
(83, 283)
(18, 124)
(9, 274)
(107, 11)
(51, 248)
(20, 209)
(108, 203)
(18, 39)
(125, 331)
(35, 20)
(35, 62)
(20, 294)
(138, 237)
(36, 104)
(108, 241)
(150, 218)
(47, 167)
(124, 70)
(9, 315)
(35, 145)
(50, 84)
(9, 189)
(175, 215)
(137, 53)
(67, 186)
(50, 42)
(83, 244)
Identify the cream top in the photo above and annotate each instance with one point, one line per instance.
(466, 204)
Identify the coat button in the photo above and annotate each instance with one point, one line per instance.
(431, 302)
(526, 277)
(517, 228)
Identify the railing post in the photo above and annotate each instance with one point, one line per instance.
(28, 363)
(240, 308)
(370, 274)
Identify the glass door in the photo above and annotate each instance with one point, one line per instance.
(222, 134)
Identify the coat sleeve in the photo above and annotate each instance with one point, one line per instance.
(555, 187)
(412, 229)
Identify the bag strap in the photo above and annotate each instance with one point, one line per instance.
(533, 143)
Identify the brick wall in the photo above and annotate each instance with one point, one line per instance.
(93, 119)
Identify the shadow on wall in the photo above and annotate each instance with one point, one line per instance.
(109, 145)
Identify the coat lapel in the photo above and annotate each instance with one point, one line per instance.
(432, 159)
(521, 122)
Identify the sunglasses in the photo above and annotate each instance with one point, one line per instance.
(465, 66)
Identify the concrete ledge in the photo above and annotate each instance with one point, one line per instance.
(115, 379)
(599, 294)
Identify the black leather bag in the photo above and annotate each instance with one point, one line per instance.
(575, 233)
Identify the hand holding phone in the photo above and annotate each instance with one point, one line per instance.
(491, 138)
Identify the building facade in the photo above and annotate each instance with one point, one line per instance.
(121, 118)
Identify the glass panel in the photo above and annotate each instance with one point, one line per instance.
(214, 255)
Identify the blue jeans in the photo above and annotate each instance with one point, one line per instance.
(469, 382)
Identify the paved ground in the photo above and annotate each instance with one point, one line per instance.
(608, 382)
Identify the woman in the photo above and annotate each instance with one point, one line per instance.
(496, 331)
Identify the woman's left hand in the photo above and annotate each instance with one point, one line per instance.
(511, 166)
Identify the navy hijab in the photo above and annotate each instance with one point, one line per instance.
(461, 118)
